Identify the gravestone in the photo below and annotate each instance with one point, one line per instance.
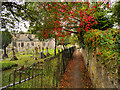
(39, 50)
(36, 53)
(43, 50)
(2, 51)
(13, 55)
(48, 54)
(42, 55)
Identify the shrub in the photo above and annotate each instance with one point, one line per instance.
(107, 44)
(8, 65)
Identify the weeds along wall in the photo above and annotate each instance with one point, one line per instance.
(100, 76)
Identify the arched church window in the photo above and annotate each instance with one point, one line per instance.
(44, 44)
(32, 44)
(19, 45)
(22, 44)
(14, 44)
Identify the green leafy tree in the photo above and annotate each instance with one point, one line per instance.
(74, 39)
(21, 32)
(63, 42)
(116, 12)
(78, 18)
(6, 40)
(52, 14)
(102, 16)
(46, 17)
(12, 13)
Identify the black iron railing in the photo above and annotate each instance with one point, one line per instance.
(44, 74)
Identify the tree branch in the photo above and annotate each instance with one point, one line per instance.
(70, 31)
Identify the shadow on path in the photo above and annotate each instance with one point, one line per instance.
(76, 75)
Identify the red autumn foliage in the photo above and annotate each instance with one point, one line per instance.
(67, 14)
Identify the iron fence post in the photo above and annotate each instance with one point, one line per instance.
(20, 77)
(14, 78)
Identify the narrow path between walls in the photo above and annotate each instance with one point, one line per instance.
(76, 75)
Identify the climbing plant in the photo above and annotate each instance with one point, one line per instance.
(104, 44)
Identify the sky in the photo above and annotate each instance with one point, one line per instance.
(21, 25)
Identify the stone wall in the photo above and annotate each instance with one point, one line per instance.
(100, 76)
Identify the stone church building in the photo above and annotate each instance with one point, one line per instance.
(21, 42)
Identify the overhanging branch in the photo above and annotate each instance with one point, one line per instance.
(70, 31)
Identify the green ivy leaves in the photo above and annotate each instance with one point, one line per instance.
(107, 42)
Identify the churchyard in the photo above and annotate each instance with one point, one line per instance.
(25, 59)
(34, 59)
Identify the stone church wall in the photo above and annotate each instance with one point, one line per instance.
(23, 39)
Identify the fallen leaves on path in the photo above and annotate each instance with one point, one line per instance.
(66, 81)
(85, 76)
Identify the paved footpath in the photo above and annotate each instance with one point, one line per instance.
(76, 75)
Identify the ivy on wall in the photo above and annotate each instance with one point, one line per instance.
(104, 44)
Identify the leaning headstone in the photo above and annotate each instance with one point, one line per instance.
(40, 52)
(36, 50)
(13, 56)
(13, 51)
(42, 55)
(43, 50)
(48, 54)
(39, 49)
(2, 51)
(36, 53)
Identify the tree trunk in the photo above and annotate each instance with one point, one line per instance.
(81, 40)
(5, 54)
(64, 46)
(55, 46)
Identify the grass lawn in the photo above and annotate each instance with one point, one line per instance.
(25, 60)
(47, 80)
